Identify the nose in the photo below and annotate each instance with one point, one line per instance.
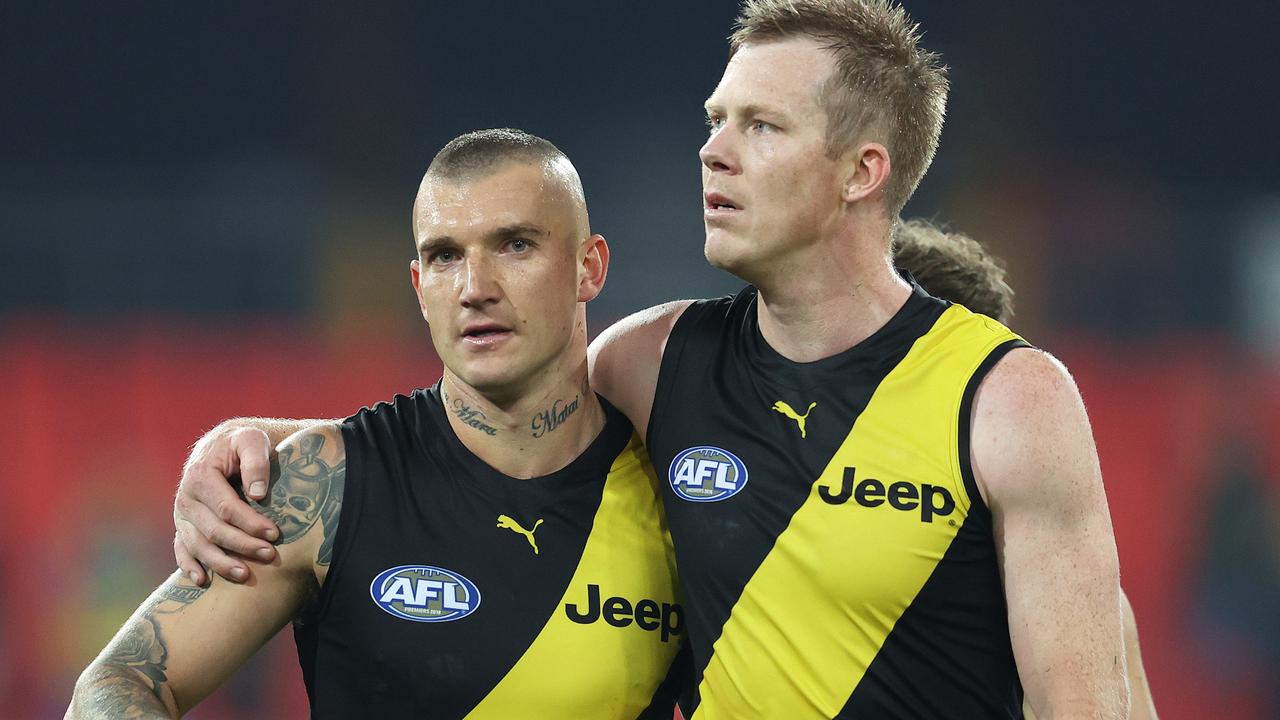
(480, 287)
(718, 153)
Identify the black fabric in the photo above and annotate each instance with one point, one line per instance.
(718, 380)
(956, 605)
(416, 495)
(965, 449)
(954, 609)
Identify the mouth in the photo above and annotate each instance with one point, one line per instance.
(485, 334)
(716, 205)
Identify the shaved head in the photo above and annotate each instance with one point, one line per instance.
(479, 154)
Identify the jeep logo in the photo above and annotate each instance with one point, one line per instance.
(619, 612)
(929, 499)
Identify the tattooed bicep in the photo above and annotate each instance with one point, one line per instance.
(307, 482)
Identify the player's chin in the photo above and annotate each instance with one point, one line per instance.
(497, 374)
(489, 373)
(725, 250)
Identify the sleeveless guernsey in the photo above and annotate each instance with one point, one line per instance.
(458, 592)
(836, 557)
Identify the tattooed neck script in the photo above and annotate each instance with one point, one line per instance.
(551, 418)
(472, 418)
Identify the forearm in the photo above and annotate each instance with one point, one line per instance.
(110, 688)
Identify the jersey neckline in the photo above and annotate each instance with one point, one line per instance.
(586, 467)
(905, 326)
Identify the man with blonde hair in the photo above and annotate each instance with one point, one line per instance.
(937, 539)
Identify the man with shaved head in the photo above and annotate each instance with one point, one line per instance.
(492, 546)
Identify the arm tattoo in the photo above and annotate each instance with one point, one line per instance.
(142, 651)
(553, 417)
(117, 696)
(329, 513)
(180, 594)
(305, 489)
(129, 680)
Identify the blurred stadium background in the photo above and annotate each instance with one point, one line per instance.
(204, 213)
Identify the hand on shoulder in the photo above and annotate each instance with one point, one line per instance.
(214, 524)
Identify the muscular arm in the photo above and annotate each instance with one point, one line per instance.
(1143, 705)
(129, 679)
(208, 513)
(1036, 464)
(623, 362)
(176, 648)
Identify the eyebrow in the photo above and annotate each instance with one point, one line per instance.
(749, 110)
(503, 233)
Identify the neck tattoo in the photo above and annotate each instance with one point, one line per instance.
(551, 418)
(469, 417)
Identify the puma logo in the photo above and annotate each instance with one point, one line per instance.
(786, 409)
(505, 521)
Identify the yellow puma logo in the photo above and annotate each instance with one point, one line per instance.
(505, 521)
(786, 409)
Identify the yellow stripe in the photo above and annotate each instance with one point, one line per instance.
(819, 607)
(597, 670)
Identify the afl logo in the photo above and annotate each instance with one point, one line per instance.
(707, 474)
(423, 593)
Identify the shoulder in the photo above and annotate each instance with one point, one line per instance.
(308, 478)
(1028, 381)
(319, 443)
(400, 408)
(1031, 435)
(624, 361)
(646, 330)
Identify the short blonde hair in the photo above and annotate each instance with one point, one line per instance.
(885, 86)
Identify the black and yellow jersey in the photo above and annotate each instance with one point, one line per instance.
(836, 556)
(458, 592)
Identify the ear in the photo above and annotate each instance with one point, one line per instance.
(593, 269)
(868, 172)
(415, 276)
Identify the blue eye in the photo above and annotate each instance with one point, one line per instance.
(442, 257)
(762, 126)
(714, 123)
